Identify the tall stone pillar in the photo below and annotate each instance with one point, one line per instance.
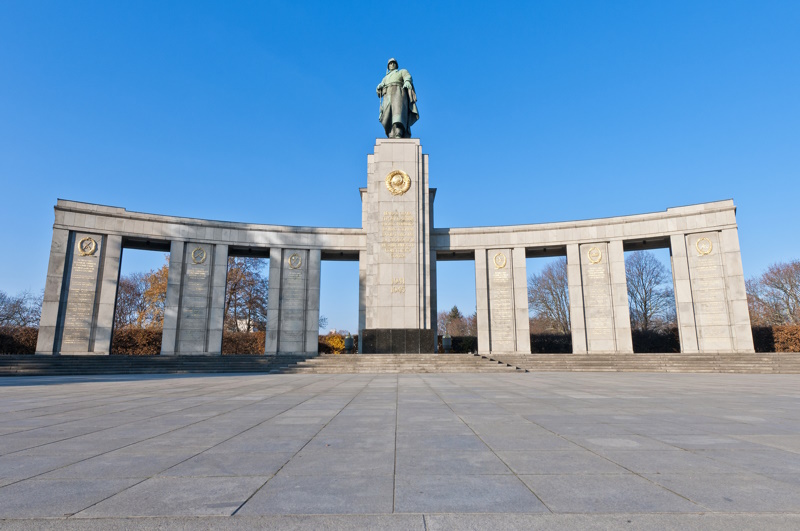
(293, 305)
(362, 298)
(684, 306)
(502, 301)
(107, 298)
(605, 297)
(48, 321)
(619, 296)
(482, 300)
(195, 294)
(736, 291)
(169, 332)
(82, 300)
(397, 205)
(216, 314)
(718, 292)
(577, 322)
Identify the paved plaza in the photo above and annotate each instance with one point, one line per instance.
(413, 451)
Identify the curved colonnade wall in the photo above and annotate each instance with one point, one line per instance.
(88, 240)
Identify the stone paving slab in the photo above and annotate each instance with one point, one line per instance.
(438, 451)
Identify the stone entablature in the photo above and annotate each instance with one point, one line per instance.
(715, 216)
(397, 252)
(70, 215)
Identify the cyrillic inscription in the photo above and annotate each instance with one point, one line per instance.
(397, 233)
(81, 299)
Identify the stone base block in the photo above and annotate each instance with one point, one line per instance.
(398, 341)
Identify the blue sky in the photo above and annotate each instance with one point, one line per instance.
(265, 112)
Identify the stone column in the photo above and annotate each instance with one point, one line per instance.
(736, 291)
(707, 278)
(312, 301)
(684, 306)
(216, 315)
(482, 300)
(506, 315)
(195, 302)
(107, 298)
(362, 298)
(433, 303)
(522, 327)
(169, 333)
(598, 303)
(48, 321)
(80, 294)
(274, 301)
(293, 305)
(619, 295)
(577, 323)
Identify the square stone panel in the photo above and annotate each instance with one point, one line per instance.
(558, 462)
(234, 464)
(412, 341)
(734, 493)
(320, 494)
(605, 494)
(465, 494)
(449, 462)
(212, 496)
(56, 497)
(398, 341)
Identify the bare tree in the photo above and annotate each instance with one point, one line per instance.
(650, 295)
(548, 296)
(20, 311)
(774, 297)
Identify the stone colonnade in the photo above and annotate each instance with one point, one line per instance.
(88, 241)
(710, 297)
(85, 258)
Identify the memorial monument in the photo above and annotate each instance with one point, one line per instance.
(397, 248)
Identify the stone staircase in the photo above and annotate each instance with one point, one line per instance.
(759, 363)
(397, 363)
(91, 365)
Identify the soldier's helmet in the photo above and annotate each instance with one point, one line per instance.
(390, 61)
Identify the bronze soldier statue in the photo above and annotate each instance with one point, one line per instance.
(398, 102)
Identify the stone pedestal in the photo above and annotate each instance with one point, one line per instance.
(397, 218)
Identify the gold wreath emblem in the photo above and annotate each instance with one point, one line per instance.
(295, 261)
(87, 246)
(703, 246)
(499, 261)
(398, 182)
(199, 255)
(594, 255)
